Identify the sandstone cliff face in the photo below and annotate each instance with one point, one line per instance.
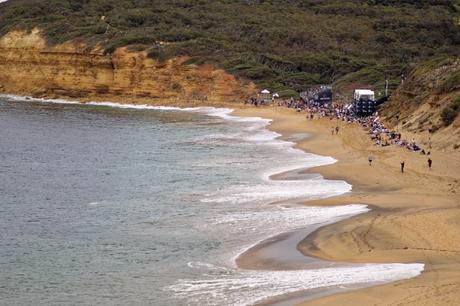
(29, 67)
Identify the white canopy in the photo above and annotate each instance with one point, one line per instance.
(265, 91)
(364, 93)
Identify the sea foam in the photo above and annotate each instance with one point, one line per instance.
(275, 219)
(227, 285)
(223, 286)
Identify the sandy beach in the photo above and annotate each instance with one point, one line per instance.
(415, 215)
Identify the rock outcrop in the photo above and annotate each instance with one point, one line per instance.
(29, 67)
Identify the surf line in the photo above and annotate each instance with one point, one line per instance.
(397, 271)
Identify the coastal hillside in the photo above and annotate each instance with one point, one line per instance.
(281, 45)
(428, 103)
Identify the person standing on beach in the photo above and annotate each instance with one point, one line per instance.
(402, 166)
(370, 158)
(337, 129)
(429, 163)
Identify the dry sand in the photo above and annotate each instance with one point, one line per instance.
(415, 215)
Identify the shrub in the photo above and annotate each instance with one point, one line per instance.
(451, 83)
(128, 40)
(288, 93)
(448, 115)
(253, 71)
(450, 112)
(100, 28)
(285, 44)
(137, 17)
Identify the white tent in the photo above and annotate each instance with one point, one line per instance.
(265, 96)
(365, 94)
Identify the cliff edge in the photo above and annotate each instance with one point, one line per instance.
(29, 67)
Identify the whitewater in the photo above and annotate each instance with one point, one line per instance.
(155, 204)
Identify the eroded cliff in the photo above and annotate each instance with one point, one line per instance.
(427, 104)
(29, 67)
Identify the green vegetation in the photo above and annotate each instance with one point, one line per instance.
(451, 83)
(449, 113)
(433, 63)
(281, 45)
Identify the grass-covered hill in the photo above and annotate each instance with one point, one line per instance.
(284, 45)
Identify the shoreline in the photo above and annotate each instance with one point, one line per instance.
(426, 200)
(373, 191)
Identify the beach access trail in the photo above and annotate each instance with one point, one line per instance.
(415, 215)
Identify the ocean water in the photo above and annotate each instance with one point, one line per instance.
(107, 204)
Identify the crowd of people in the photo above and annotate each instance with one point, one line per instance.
(378, 132)
(297, 104)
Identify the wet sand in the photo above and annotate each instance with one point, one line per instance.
(415, 215)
